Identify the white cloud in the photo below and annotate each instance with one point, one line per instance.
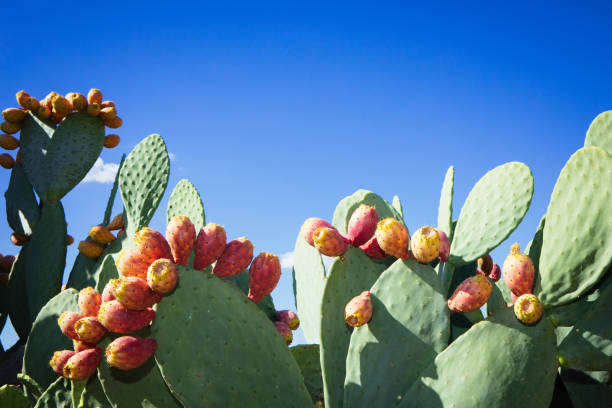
(101, 173)
(172, 156)
(286, 260)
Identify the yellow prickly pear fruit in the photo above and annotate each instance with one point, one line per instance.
(90, 249)
(9, 142)
(101, 235)
(6, 161)
(44, 112)
(358, 310)
(116, 223)
(78, 101)
(14, 115)
(393, 238)
(94, 96)
(528, 308)
(111, 141)
(46, 101)
(425, 244)
(93, 109)
(113, 123)
(22, 97)
(329, 241)
(108, 104)
(61, 106)
(32, 104)
(10, 128)
(108, 113)
(162, 276)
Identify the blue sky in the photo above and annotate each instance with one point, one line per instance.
(276, 112)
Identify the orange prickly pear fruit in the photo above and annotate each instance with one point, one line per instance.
(94, 96)
(32, 104)
(134, 293)
(19, 239)
(130, 263)
(362, 225)
(152, 245)
(90, 249)
(444, 245)
(288, 317)
(83, 364)
(209, 245)
(114, 122)
(358, 310)
(425, 244)
(264, 275)
(78, 101)
(14, 115)
(329, 241)
(181, 235)
(119, 319)
(236, 256)
(89, 301)
(80, 345)
(69, 239)
(61, 106)
(285, 331)
(162, 276)
(309, 226)
(43, 112)
(59, 360)
(9, 142)
(111, 141)
(471, 294)
(10, 128)
(528, 308)
(93, 109)
(108, 113)
(116, 223)
(89, 329)
(57, 118)
(518, 271)
(129, 352)
(66, 323)
(22, 97)
(393, 238)
(108, 104)
(47, 100)
(101, 235)
(372, 249)
(7, 161)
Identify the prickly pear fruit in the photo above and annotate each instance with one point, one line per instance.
(10, 127)
(236, 256)
(425, 244)
(118, 319)
(46, 101)
(83, 364)
(89, 301)
(108, 113)
(444, 245)
(393, 238)
(43, 112)
(129, 352)
(59, 360)
(209, 245)
(89, 329)
(69, 239)
(358, 310)
(288, 317)
(61, 106)
(134, 293)
(6, 263)
(90, 249)
(7, 161)
(495, 273)
(528, 308)
(94, 96)
(101, 235)
(114, 122)
(108, 104)
(32, 104)
(66, 323)
(78, 101)
(93, 109)
(329, 241)
(80, 345)
(485, 264)
(9, 142)
(111, 141)
(130, 263)
(181, 235)
(107, 294)
(22, 97)
(18, 239)
(151, 245)
(310, 225)
(362, 225)
(372, 249)
(471, 294)
(518, 271)
(162, 276)
(264, 274)
(116, 223)
(285, 331)
(14, 115)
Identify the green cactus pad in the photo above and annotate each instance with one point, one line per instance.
(496, 302)
(584, 391)
(34, 143)
(577, 249)
(346, 279)
(242, 282)
(93, 396)
(12, 396)
(307, 357)
(489, 365)
(600, 132)
(347, 205)
(58, 395)
(18, 309)
(308, 284)
(185, 200)
(76, 389)
(47, 338)
(588, 346)
(111, 198)
(212, 315)
(22, 210)
(106, 272)
(494, 208)
(409, 326)
(533, 250)
(31, 386)
(445, 271)
(143, 180)
(397, 204)
(445, 209)
(460, 274)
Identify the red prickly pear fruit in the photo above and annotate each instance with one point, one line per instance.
(129, 352)
(14, 115)
(362, 225)
(90, 249)
(285, 331)
(358, 310)
(66, 323)
(83, 364)
(107, 294)
(6, 263)
(80, 345)
(89, 329)
(288, 317)
(116, 223)
(528, 308)
(471, 294)
(209, 245)
(59, 360)
(152, 245)
(94, 96)
(61, 106)
(425, 244)
(181, 235)
(162, 276)
(69, 239)
(485, 264)
(134, 293)
(264, 275)
(495, 273)
(310, 225)
(444, 246)
(118, 319)
(111, 141)
(130, 263)
(329, 241)
(236, 256)
(393, 238)
(89, 301)
(372, 249)
(78, 101)
(101, 235)
(518, 271)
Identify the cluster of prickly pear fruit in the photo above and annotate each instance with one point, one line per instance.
(100, 236)
(285, 322)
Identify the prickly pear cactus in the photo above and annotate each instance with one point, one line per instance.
(185, 200)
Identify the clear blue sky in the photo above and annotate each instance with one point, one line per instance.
(277, 112)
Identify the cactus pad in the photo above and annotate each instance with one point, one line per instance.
(600, 132)
(242, 282)
(307, 357)
(347, 205)
(445, 208)
(185, 200)
(18, 309)
(57, 395)
(397, 204)
(12, 396)
(22, 210)
(111, 198)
